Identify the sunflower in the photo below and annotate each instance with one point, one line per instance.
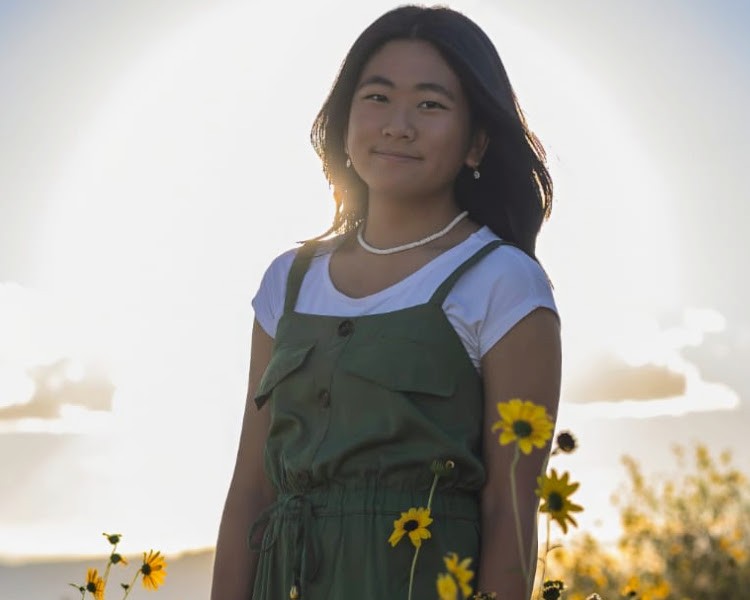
(153, 570)
(413, 522)
(554, 492)
(460, 570)
(447, 587)
(524, 422)
(94, 584)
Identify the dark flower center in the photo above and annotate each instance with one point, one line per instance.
(91, 587)
(522, 429)
(551, 593)
(146, 569)
(555, 502)
(411, 525)
(566, 442)
(552, 589)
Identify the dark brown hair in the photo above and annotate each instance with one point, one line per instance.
(514, 194)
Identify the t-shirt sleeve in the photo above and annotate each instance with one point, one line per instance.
(268, 302)
(520, 287)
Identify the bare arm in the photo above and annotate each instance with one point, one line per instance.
(526, 364)
(249, 491)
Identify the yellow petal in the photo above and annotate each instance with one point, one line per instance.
(524, 445)
(396, 536)
(446, 587)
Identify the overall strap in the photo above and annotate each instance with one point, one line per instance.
(297, 273)
(442, 292)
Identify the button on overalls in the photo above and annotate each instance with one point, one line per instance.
(360, 408)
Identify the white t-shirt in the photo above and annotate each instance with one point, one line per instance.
(483, 305)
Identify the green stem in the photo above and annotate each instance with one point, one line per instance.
(536, 521)
(132, 583)
(109, 565)
(546, 553)
(432, 491)
(411, 573)
(517, 515)
(416, 550)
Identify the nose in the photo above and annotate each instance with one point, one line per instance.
(399, 125)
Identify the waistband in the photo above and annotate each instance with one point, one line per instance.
(302, 509)
(340, 500)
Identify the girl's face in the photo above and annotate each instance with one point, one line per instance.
(409, 131)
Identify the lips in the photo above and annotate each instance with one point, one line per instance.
(395, 155)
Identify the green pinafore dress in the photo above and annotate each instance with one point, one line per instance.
(360, 409)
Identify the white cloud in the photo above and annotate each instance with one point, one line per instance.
(647, 363)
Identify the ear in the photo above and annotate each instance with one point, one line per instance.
(479, 142)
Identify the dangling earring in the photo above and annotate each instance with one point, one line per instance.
(477, 174)
(348, 163)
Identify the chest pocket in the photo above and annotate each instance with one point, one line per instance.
(403, 365)
(285, 360)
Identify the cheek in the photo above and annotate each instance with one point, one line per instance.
(454, 141)
(361, 124)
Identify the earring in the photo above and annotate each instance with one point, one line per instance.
(477, 174)
(348, 163)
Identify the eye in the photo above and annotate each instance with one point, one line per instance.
(432, 104)
(376, 97)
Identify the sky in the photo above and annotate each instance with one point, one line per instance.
(154, 157)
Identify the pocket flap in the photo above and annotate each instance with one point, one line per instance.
(284, 361)
(404, 366)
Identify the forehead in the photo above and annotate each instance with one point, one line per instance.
(407, 62)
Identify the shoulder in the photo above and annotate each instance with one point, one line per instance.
(498, 291)
(282, 263)
(508, 265)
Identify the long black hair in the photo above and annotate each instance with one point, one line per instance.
(513, 196)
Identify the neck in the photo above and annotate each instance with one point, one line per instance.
(394, 223)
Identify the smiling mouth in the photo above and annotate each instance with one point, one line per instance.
(395, 155)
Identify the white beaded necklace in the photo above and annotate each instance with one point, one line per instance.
(410, 245)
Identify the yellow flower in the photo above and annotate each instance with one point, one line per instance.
(554, 492)
(631, 587)
(95, 584)
(153, 570)
(414, 522)
(460, 570)
(524, 422)
(446, 587)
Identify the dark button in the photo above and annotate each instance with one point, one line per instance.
(325, 398)
(346, 328)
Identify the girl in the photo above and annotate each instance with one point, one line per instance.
(386, 343)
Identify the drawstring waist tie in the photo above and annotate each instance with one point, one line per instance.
(299, 510)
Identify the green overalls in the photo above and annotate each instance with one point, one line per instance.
(360, 408)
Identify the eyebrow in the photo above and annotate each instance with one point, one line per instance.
(428, 86)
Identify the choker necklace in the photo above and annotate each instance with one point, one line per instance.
(410, 245)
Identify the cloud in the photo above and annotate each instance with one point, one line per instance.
(48, 367)
(612, 378)
(645, 372)
(63, 383)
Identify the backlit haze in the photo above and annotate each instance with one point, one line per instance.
(154, 158)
